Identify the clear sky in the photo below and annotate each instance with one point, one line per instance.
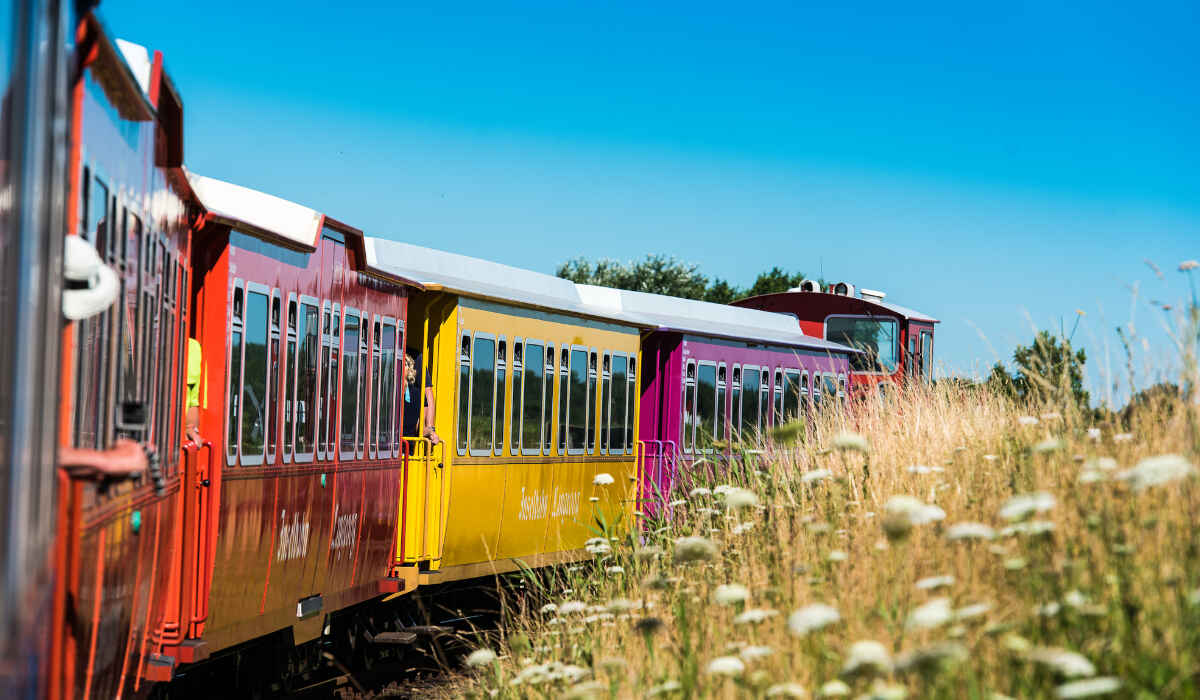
(997, 166)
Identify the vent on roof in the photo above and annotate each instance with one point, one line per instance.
(843, 289)
(871, 295)
(807, 286)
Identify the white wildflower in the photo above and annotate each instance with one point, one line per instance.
(671, 686)
(480, 658)
(972, 611)
(615, 569)
(867, 657)
(837, 556)
(739, 498)
(1093, 434)
(787, 690)
(1088, 688)
(932, 583)
(1157, 471)
(834, 689)
(970, 531)
(754, 616)
(815, 475)
(571, 607)
(1122, 437)
(934, 613)
(1047, 610)
(549, 608)
(603, 479)
(848, 441)
(811, 618)
(922, 469)
(1023, 505)
(694, 549)
(1027, 420)
(742, 528)
(698, 492)
(619, 605)
(678, 502)
(723, 489)
(912, 510)
(885, 691)
(730, 593)
(991, 458)
(598, 547)
(590, 689)
(726, 666)
(1063, 662)
(754, 652)
(1049, 445)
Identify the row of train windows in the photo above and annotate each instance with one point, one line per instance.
(131, 355)
(593, 403)
(752, 404)
(330, 358)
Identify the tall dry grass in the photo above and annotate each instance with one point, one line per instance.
(949, 543)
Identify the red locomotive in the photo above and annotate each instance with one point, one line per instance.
(897, 342)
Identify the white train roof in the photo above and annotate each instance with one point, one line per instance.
(264, 214)
(906, 312)
(668, 313)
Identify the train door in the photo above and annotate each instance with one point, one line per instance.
(430, 338)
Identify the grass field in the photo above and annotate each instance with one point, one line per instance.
(960, 546)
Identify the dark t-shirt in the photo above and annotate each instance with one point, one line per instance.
(412, 399)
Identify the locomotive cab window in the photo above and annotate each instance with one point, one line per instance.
(878, 338)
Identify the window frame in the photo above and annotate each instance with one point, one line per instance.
(721, 424)
(582, 449)
(462, 426)
(274, 362)
(696, 412)
(233, 391)
(254, 288)
(523, 449)
(765, 406)
(472, 451)
(362, 425)
(777, 395)
(735, 403)
(632, 398)
(348, 455)
(499, 397)
(564, 396)
(392, 437)
(604, 412)
(291, 334)
(688, 437)
(927, 353)
(314, 411)
(516, 413)
(549, 405)
(374, 378)
(592, 385)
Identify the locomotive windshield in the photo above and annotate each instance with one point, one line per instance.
(876, 337)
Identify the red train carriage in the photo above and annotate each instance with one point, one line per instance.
(294, 512)
(898, 342)
(122, 368)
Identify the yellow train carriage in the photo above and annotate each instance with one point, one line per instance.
(536, 403)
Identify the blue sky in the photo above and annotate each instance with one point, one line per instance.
(996, 167)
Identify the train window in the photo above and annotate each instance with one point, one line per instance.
(877, 337)
(128, 380)
(829, 385)
(750, 422)
(816, 390)
(722, 382)
(273, 378)
(735, 404)
(397, 382)
(177, 405)
(376, 391)
(516, 413)
(620, 403)
(364, 387)
(927, 355)
(235, 375)
(590, 397)
(254, 376)
(578, 402)
(564, 395)
(706, 406)
(305, 404)
(464, 391)
(777, 413)
(841, 386)
(805, 396)
(791, 395)
(323, 391)
(289, 380)
(689, 406)
(533, 393)
(605, 402)
(483, 398)
(501, 371)
(385, 425)
(350, 383)
(329, 392)
(912, 353)
(548, 401)
(631, 399)
(764, 399)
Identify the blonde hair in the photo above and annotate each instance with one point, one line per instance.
(410, 368)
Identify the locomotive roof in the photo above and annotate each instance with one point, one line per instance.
(896, 309)
(662, 312)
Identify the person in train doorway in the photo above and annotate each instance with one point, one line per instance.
(195, 359)
(416, 425)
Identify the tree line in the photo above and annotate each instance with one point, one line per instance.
(662, 274)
